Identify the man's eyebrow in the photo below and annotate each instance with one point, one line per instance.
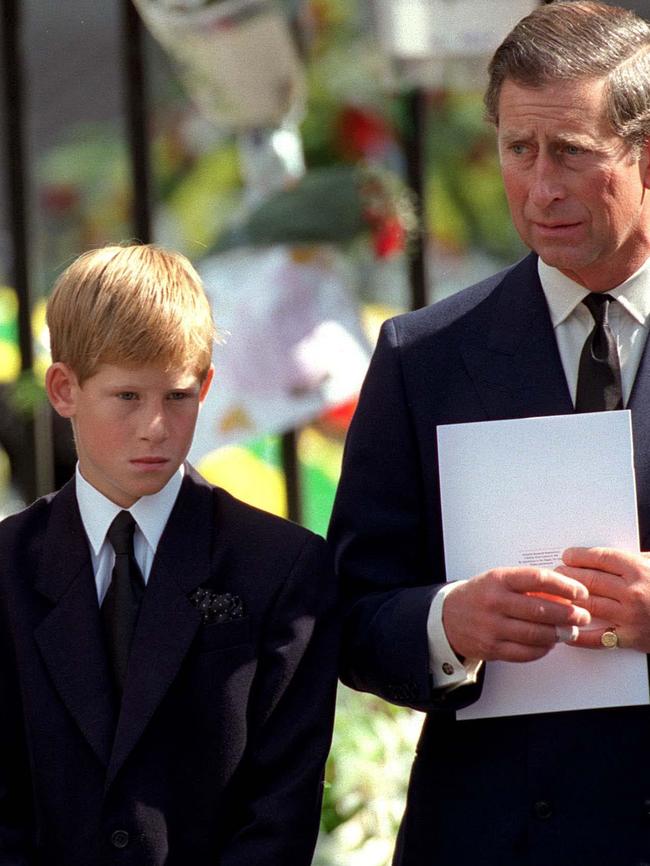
(580, 138)
(516, 136)
(523, 136)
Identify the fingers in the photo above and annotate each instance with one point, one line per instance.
(512, 614)
(535, 608)
(619, 592)
(607, 559)
(567, 634)
(544, 580)
(518, 614)
(598, 583)
(592, 638)
(509, 651)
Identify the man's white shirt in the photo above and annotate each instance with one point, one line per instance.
(572, 324)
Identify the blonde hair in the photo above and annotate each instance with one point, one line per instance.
(130, 305)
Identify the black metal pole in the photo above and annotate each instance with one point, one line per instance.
(291, 468)
(16, 173)
(289, 440)
(415, 161)
(137, 111)
(22, 434)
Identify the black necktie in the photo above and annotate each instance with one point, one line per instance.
(122, 602)
(599, 373)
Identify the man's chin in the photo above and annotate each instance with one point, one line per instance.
(562, 258)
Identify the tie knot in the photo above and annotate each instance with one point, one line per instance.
(120, 533)
(598, 305)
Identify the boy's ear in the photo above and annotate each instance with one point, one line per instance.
(205, 384)
(62, 385)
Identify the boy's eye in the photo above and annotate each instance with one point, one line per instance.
(127, 395)
(178, 395)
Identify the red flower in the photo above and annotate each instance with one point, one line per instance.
(362, 133)
(388, 238)
(337, 419)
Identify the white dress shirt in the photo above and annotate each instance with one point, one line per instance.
(150, 513)
(572, 324)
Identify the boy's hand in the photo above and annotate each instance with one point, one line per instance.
(619, 594)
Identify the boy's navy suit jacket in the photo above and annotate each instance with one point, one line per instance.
(567, 789)
(217, 754)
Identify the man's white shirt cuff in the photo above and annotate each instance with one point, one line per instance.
(447, 670)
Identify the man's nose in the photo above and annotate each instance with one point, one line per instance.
(546, 184)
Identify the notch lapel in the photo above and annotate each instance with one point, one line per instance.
(168, 621)
(512, 353)
(70, 638)
(639, 403)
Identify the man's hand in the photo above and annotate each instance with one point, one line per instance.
(619, 593)
(511, 614)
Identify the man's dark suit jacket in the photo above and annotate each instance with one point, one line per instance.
(565, 789)
(217, 755)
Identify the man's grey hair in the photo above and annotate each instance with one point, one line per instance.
(569, 40)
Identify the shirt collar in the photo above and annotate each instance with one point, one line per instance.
(151, 513)
(563, 294)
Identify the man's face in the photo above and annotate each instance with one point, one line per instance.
(577, 192)
(133, 427)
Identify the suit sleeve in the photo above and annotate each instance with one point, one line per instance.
(382, 541)
(277, 808)
(15, 776)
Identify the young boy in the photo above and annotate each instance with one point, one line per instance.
(166, 686)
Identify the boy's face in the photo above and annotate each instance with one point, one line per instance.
(133, 427)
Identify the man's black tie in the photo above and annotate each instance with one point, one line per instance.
(599, 373)
(122, 602)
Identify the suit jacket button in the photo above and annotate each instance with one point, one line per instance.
(543, 810)
(646, 808)
(119, 838)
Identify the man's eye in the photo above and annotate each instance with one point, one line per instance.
(518, 148)
(573, 149)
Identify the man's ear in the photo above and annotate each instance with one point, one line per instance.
(205, 384)
(61, 384)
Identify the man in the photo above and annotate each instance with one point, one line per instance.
(569, 94)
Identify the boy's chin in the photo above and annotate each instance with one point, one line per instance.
(128, 494)
(149, 487)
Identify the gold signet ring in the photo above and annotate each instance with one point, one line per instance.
(609, 638)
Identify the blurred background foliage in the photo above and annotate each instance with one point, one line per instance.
(353, 121)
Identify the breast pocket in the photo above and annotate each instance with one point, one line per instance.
(223, 635)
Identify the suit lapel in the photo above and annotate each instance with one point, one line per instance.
(70, 637)
(168, 621)
(639, 403)
(512, 353)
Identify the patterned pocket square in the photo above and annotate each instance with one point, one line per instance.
(216, 606)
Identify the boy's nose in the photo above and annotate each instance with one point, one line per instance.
(155, 427)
